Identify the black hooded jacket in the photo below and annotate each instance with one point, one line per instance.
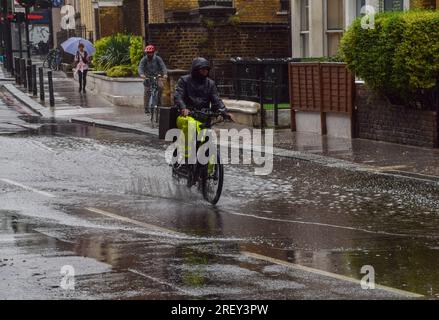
(196, 92)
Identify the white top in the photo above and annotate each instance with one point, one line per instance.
(81, 64)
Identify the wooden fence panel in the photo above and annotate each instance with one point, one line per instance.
(337, 86)
(320, 87)
(305, 87)
(324, 87)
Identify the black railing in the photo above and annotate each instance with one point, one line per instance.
(264, 92)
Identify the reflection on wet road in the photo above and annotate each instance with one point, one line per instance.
(129, 231)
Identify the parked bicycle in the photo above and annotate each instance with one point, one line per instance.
(209, 177)
(53, 60)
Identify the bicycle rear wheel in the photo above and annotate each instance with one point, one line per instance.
(213, 180)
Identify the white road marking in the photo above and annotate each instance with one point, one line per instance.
(42, 146)
(170, 232)
(135, 222)
(17, 184)
(322, 225)
(161, 282)
(328, 274)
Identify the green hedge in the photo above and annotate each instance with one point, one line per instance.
(399, 57)
(120, 71)
(136, 53)
(117, 53)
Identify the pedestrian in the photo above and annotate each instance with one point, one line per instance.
(82, 60)
(152, 67)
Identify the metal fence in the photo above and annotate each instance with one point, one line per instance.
(257, 90)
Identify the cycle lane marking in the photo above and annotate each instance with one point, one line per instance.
(22, 186)
(328, 274)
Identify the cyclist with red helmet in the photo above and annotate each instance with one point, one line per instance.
(152, 66)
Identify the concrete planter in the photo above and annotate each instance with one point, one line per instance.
(119, 91)
(245, 112)
(128, 92)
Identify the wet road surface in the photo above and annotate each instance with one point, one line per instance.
(105, 204)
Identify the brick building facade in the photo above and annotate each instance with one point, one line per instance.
(245, 28)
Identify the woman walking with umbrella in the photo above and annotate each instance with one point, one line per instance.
(82, 49)
(82, 61)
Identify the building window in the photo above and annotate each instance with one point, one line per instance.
(391, 5)
(285, 5)
(219, 3)
(334, 25)
(360, 4)
(304, 27)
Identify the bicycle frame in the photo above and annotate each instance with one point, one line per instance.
(152, 83)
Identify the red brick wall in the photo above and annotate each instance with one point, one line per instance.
(111, 20)
(376, 119)
(178, 44)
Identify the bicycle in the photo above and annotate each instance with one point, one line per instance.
(209, 177)
(53, 60)
(151, 82)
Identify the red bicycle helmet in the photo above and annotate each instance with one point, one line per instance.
(149, 49)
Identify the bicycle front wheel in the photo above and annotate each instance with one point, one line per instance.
(213, 180)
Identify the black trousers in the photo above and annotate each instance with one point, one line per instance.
(82, 79)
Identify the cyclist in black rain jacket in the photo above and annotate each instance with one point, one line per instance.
(197, 91)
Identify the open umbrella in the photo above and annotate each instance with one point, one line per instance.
(71, 45)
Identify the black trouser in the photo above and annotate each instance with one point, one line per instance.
(82, 79)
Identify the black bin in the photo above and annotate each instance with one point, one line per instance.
(168, 120)
(270, 70)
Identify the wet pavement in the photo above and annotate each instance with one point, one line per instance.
(13, 117)
(419, 162)
(104, 202)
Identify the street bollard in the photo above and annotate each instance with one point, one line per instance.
(29, 75)
(51, 94)
(23, 80)
(34, 80)
(261, 101)
(275, 104)
(17, 70)
(41, 74)
(29, 78)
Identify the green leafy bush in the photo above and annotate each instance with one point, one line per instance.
(112, 51)
(118, 51)
(136, 52)
(399, 58)
(120, 71)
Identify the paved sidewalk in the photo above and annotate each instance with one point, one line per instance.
(378, 156)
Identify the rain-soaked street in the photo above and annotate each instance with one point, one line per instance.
(104, 204)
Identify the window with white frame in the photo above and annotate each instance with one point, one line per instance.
(304, 27)
(391, 5)
(334, 25)
(360, 4)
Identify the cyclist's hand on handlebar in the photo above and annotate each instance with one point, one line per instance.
(185, 112)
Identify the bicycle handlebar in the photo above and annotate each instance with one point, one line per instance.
(208, 114)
